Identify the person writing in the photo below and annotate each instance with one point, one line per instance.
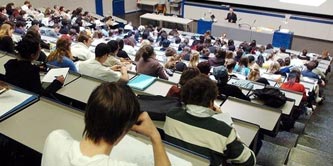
(108, 118)
(231, 17)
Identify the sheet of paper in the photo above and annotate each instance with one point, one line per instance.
(55, 72)
(132, 150)
(10, 99)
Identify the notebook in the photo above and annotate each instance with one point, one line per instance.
(55, 72)
(141, 82)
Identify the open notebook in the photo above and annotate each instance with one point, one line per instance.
(132, 150)
(11, 101)
(55, 72)
(141, 82)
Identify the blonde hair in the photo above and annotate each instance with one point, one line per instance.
(325, 53)
(194, 60)
(274, 67)
(63, 49)
(4, 29)
(254, 74)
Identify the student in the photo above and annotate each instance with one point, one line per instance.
(95, 68)
(112, 60)
(62, 56)
(187, 75)
(108, 118)
(148, 64)
(22, 73)
(194, 126)
(81, 50)
(221, 75)
(194, 59)
(6, 41)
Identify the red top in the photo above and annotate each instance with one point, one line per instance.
(295, 87)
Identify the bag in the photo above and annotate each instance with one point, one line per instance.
(272, 97)
(157, 106)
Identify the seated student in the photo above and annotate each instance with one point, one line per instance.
(165, 45)
(22, 73)
(242, 66)
(293, 84)
(62, 56)
(148, 64)
(304, 55)
(108, 118)
(187, 75)
(81, 50)
(219, 58)
(6, 41)
(221, 75)
(308, 72)
(194, 126)
(194, 59)
(204, 67)
(121, 53)
(112, 60)
(94, 67)
(255, 76)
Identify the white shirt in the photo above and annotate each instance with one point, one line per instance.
(61, 149)
(129, 50)
(95, 69)
(81, 51)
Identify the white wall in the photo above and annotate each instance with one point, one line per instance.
(325, 8)
(299, 27)
(107, 7)
(130, 6)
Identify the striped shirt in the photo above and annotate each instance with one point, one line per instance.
(196, 129)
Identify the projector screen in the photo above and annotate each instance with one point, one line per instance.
(319, 7)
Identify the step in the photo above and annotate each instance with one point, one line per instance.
(272, 154)
(315, 143)
(318, 132)
(306, 156)
(283, 138)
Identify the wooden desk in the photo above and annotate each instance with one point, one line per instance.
(267, 118)
(151, 3)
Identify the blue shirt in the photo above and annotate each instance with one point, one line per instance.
(66, 62)
(308, 73)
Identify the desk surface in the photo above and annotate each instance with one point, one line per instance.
(32, 125)
(159, 87)
(79, 89)
(267, 118)
(147, 2)
(172, 19)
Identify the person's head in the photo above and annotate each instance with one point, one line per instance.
(281, 61)
(62, 49)
(170, 52)
(29, 47)
(181, 66)
(3, 10)
(311, 65)
(269, 46)
(220, 53)
(254, 75)
(108, 117)
(165, 43)
(251, 59)
(287, 61)
(282, 49)
(221, 74)
(200, 90)
(147, 52)
(6, 29)
(244, 61)
(188, 74)
(325, 54)
(102, 50)
(194, 59)
(231, 10)
(294, 76)
(274, 67)
(114, 46)
(304, 52)
(204, 67)
(230, 64)
(120, 43)
(85, 39)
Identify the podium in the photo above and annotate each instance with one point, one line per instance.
(203, 26)
(283, 39)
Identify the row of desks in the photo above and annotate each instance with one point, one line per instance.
(32, 124)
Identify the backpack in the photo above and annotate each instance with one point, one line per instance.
(272, 97)
(157, 106)
(260, 60)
